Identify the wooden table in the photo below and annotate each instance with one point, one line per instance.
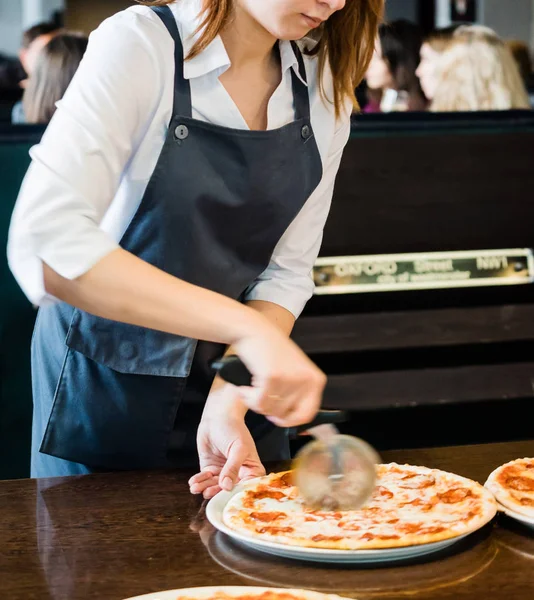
(114, 536)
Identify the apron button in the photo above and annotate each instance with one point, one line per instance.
(305, 132)
(181, 132)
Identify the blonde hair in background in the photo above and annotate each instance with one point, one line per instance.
(478, 72)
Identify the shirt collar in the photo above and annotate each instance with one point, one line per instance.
(214, 57)
(289, 59)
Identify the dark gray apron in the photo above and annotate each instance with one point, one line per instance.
(113, 396)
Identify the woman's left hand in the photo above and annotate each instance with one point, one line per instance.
(226, 450)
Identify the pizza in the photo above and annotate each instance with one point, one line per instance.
(238, 593)
(258, 594)
(410, 506)
(512, 485)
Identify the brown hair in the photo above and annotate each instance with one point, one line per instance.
(31, 34)
(440, 39)
(400, 42)
(346, 41)
(56, 65)
(521, 53)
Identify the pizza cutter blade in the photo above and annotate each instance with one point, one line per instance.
(333, 472)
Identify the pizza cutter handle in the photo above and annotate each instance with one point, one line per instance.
(232, 370)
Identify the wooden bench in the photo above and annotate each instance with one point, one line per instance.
(428, 183)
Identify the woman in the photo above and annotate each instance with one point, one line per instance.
(431, 52)
(55, 67)
(392, 68)
(207, 144)
(477, 72)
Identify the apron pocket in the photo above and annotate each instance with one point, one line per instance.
(130, 349)
(109, 420)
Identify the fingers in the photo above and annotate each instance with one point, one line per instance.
(211, 491)
(200, 477)
(287, 402)
(251, 472)
(201, 482)
(237, 454)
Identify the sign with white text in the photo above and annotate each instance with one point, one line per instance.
(434, 270)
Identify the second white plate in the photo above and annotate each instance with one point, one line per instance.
(515, 515)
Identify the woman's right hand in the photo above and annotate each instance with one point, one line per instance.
(287, 387)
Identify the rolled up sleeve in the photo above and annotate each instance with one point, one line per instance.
(288, 280)
(77, 167)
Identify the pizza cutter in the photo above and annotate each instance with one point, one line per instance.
(333, 472)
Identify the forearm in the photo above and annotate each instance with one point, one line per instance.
(277, 316)
(122, 287)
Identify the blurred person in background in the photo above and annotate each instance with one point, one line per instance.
(478, 72)
(431, 52)
(34, 40)
(54, 69)
(521, 53)
(392, 69)
(368, 100)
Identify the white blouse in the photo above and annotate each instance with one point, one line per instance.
(91, 169)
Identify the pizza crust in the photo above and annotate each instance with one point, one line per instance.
(512, 484)
(252, 593)
(411, 506)
(240, 593)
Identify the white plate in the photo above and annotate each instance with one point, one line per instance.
(202, 593)
(515, 515)
(215, 509)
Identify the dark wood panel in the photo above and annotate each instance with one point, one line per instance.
(433, 193)
(414, 329)
(430, 386)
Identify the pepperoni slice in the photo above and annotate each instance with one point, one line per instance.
(325, 515)
(385, 493)
(349, 526)
(521, 484)
(285, 481)
(431, 530)
(420, 529)
(414, 502)
(326, 538)
(267, 517)
(265, 493)
(455, 495)
(417, 482)
(410, 527)
(275, 530)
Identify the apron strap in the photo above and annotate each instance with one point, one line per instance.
(182, 88)
(301, 95)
